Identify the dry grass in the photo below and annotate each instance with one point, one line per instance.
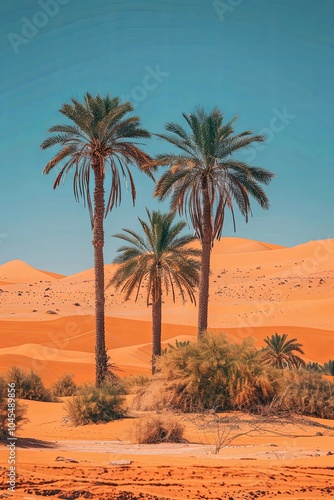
(155, 429)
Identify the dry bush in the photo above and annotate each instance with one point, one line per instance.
(28, 385)
(155, 429)
(133, 383)
(308, 393)
(212, 373)
(64, 386)
(20, 412)
(96, 404)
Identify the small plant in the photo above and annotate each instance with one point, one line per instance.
(309, 393)
(134, 382)
(155, 429)
(96, 404)
(329, 367)
(216, 432)
(64, 386)
(178, 344)
(312, 366)
(20, 411)
(28, 385)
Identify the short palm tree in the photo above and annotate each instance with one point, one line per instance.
(280, 352)
(205, 178)
(161, 259)
(101, 137)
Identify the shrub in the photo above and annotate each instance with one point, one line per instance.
(212, 373)
(132, 383)
(20, 411)
(329, 367)
(96, 404)
(28, 385)
(64, 386)
(158, 429)
(312, 366)
(308, 393)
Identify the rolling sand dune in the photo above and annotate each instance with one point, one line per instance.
(47, 324)
(256, 289)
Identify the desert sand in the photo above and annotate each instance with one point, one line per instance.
(47, 324)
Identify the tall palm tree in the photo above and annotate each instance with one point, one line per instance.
(280, 352)
(161, 259)
(205, 178)
(100, 137)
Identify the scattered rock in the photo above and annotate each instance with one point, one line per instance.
(330, 453)
(121, 462)
(319, 433)
(51, 312)
(64, 459)
(77, 304)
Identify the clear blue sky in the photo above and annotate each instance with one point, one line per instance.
(258, 58)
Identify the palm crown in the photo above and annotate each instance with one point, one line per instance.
(101, 136)
(280, 352)
(161, 257)
(207, 163)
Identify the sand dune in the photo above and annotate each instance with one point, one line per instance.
(17, 271)
(47, 324)
(256, 289)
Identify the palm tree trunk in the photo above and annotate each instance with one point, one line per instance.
(101, 358)
(203, 299)
(156, 325)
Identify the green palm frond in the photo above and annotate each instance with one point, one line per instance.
(101, 134)
(280, 352)
(207, 158)
(158, 255)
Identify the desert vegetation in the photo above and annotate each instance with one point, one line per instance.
(154, 429)
(211, 375)
(94, 404)
(215, 374)
(20, 411)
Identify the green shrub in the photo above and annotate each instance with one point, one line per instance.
(64, 386)
(329, 367)
(20, 411)
(158, 429)
(308, 393)
(212, 373)
(312, 366)
(28, 385)
(92, 404)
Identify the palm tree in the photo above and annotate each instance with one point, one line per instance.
(101, 136)
(163, 260)
(279, 352)
(205, 178)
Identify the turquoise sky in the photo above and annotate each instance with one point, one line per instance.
(269, 61)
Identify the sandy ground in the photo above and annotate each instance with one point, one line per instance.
(47, 324)
(267, 459)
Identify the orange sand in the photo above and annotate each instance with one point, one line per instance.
(256, 289)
